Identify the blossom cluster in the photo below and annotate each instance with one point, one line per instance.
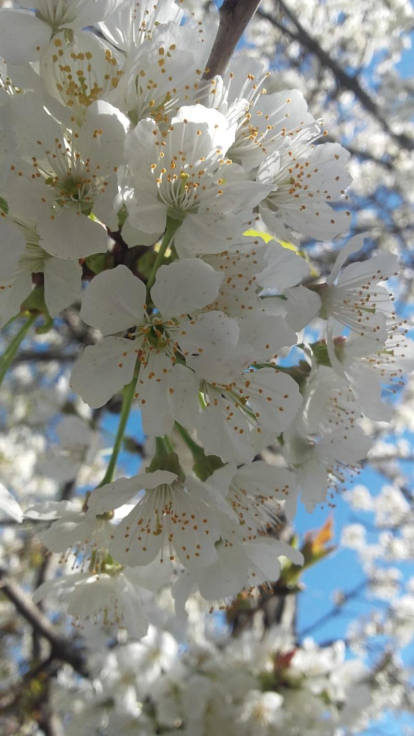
(258, 683)
(138, 183)
(246, 675)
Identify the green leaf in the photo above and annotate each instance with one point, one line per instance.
(99, 262)
(146, 262)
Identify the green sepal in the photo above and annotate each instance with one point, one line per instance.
(35, 302)
(168, 462)
(4, 207)
(206, 466)
(122, 215)
(320, 351)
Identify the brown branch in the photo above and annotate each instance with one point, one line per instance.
(234, 17)
(38, 357)
(61, 648)
(343, 78)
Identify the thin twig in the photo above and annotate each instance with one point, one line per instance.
(342, 77)
(337, 610)
(61, 648)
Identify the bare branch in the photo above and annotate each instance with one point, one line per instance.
(344, 79)
(234, 17)
(28, 356)
(62, 649)
(336, 610)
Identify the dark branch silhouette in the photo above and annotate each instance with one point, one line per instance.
(61, 648)
(344, 79)
(234, 17)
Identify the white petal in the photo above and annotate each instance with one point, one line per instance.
(149, 216)
(352, 246)
(152, 394)
(367, 391)
(9, 505)
(62, 587)
(303, 306)
(107, 149)
(264, 565)
(206, 233)
(63, 281)
(50, 510)
(284, 268)
(274, 398)
(183, 395)
(114, 301)
(147, 530)
(132, 236)
(132, 614)
(156, 478)
(313, 480)
(347, 446)
(21, 34)
(13, 295)
(63, 534)
(184, 586)
(103, 370)
(90, 13)
(223, 438)
(221, 134)
(227, 576)
(211, 348)
(12, 246)
(266, 334)
(92, 595)
(268, 480)
(184, 286)
(114, 495)
(71, 235)
(380, 267)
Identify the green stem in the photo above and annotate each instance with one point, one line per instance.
(12, 350)
(163, 446)
(126, 408)
(172, 226)
(196, 451)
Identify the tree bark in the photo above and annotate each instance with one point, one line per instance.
(234, 17)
